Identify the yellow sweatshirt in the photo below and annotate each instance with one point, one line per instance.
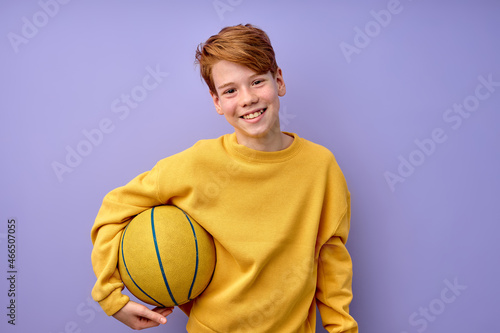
(280, 221)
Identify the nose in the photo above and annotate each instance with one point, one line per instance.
(247, 97)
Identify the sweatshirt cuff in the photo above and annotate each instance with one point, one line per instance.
(114, 302)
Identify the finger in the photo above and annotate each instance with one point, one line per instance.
(163, 311)
(143, 323)
(153, 316)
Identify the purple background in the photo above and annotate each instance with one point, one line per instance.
(409, 242)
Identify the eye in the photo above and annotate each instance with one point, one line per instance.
(257, 82)
(229, 91)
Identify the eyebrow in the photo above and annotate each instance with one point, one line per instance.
(222, 86)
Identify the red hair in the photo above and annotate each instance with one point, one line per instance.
(246, 45)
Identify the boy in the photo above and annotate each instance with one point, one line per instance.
(276, 205)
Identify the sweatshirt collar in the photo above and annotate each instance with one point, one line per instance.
(252, 155)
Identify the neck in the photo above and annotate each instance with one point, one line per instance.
(276, 142)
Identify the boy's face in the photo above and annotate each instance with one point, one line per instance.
(249, 101)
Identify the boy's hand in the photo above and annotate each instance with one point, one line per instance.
(138, 316)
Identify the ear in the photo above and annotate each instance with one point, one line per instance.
(278, 77)
(216, 100)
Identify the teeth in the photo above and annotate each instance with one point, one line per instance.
(253, 115)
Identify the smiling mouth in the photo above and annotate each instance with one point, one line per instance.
(253, 114)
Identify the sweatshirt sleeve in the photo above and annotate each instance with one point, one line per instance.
(334, 285)
(118, 208)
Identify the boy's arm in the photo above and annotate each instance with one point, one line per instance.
(334, 287)
(118, 208)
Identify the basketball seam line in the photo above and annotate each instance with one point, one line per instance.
(159, 257)
(130, 275)
(196, 246)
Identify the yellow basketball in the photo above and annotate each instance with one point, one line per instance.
(166, 258)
